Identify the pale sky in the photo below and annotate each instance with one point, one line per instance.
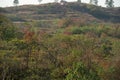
(8, 3)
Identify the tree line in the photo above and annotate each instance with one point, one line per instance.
(108, 3)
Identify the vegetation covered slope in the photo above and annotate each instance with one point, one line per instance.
(59, 48)
(73, 52)
(56, 11)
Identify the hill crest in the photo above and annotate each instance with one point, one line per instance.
(56, 11)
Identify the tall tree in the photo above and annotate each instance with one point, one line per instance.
(90, 1)
(39, 1)
(106, 2)
(95, 2)
(79, 1)
(16, 2)
(109, 3)
(56, 1)
(7, 31)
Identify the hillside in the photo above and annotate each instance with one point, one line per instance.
(59, 42)
(52, 11)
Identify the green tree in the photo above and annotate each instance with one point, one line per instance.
(56, 1)
(79, 1)
(81, 72)
(16, 2)
(109, 3)
(95, 2)
(106, 47)
(90, 2)
(7, 31)
(39, 1)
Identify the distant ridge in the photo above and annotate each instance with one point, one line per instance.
(56, 11)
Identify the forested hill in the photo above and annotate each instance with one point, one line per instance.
(57, 11)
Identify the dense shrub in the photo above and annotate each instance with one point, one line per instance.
(81, 72)
(7, 30)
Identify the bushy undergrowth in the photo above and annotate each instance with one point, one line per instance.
(75, 53)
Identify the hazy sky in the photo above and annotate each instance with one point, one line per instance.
(7, 3)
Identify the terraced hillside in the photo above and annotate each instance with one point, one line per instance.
(53, 11)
